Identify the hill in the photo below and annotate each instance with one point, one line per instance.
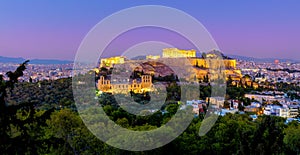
(33, 61)
(269, 60)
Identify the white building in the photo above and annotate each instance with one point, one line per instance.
(293, 110)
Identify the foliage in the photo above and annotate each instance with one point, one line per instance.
(20, 124)
(43, 120)
(292, 138)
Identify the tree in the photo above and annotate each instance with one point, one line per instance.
(268, 136)
(240, 107)
(226, 105)
(63, 125)
(229, 81)
(205, 91)
(277, 103)
(30, 80)
(206, 79)
(20, 124)
(172, 108)
(7, 112)
(292, 138)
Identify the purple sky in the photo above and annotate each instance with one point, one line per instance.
(133, 37)
(54, 29)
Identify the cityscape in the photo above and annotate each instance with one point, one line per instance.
(266, 89)
(266, 98)
(192, 78)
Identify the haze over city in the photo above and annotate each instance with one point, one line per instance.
(54, 30)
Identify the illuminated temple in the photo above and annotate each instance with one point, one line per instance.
(177, 53)
(125, 85)
(109, 62)
(144, 83)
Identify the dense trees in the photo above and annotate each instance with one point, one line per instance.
(20, 124)
(292, 138)
(64, 133)
(43, 120)
(45, 94)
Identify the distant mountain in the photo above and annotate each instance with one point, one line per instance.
(269, 60)
(33, 61)
(52, 61)
(11, 60)
(49, 61)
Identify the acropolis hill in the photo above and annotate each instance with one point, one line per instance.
(153, 65)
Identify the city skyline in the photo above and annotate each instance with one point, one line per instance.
(149, 77)
(54, 30)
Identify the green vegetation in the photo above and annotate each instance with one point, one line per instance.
(40, 118)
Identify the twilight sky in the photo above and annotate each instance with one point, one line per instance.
(53, 29)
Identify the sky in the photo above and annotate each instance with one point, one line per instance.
(54, 29)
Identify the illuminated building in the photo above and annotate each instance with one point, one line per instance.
(199, 68)
(173, 53)
(140, 85)
(153, 57)
(230, 63)
(200, 62)
(109, 62)
(177, 53)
